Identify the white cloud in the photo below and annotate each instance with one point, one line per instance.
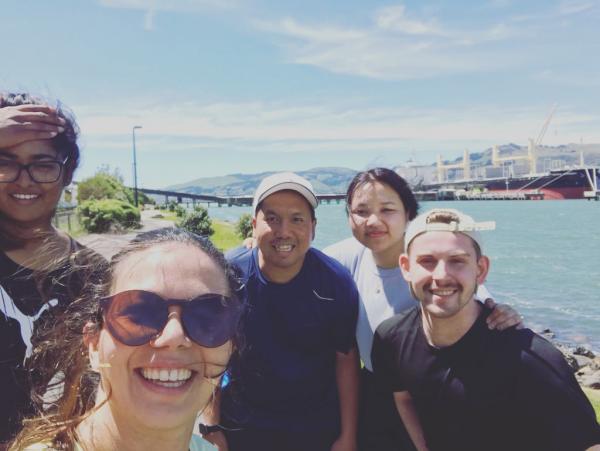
(265, 127)
(394, 18)
(567, 8)
(397, 46)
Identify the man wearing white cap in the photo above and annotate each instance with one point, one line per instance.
(456, 383)
(295, 383)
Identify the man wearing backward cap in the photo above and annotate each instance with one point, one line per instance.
(457, 384)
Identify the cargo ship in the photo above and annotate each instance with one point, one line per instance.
(575, 183)
(558, 184)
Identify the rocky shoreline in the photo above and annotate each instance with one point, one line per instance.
(585, 364)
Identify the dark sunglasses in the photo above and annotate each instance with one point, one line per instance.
(135, 317)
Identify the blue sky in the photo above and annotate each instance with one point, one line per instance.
(227, 86)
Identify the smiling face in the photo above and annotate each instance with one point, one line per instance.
(160, 385)
(378, 219)
(283, 229)
(24, 201)
(443, 271)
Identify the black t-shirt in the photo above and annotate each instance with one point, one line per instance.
(509, 390)
(28, 305)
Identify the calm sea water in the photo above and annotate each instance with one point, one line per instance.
(545, 258)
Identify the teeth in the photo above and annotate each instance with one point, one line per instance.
(443, 292)
(173, 377)
(26, 196)
(284, 247)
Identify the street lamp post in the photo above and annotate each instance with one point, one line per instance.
(135, 185)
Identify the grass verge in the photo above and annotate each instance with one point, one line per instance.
(594, 397)
(167, 215)
(69, 224)
(224, 237)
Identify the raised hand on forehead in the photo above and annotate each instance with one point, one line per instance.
(27, 123)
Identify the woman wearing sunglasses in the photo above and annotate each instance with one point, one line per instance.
(38, 155)
(141, 357)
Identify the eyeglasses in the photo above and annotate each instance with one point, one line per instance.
(47, 171)
(135, 317)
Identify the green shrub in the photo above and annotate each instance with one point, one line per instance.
(101, 186)
(99, 216)
(243, 226)
(172, 205)
(180, 211)
(198, 222)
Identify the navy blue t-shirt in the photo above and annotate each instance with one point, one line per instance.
(284, 378)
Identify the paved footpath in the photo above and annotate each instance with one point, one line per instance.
(108, 244)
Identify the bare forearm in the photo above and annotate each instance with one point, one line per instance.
(347, 367)
(408, 413)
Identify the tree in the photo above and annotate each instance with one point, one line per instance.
(243, 226)
(101, 186)
(107, 185)
(197, 222)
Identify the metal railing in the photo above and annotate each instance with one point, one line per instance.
(68, 215)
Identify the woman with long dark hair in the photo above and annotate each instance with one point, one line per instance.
(42, 269)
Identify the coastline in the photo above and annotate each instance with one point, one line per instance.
(584, 362)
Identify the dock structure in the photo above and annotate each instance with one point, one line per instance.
(500, 195)
(230, 201)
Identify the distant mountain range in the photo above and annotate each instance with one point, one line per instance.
(335, 180)
(326, 180)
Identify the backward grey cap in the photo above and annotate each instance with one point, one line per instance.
(459, 223)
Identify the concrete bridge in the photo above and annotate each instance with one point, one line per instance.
(222, 200)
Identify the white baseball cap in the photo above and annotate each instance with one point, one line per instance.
(284, 181)
(446, 220)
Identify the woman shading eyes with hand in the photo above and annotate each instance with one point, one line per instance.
(42, 269)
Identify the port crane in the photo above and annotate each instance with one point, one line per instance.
(532, 146)
(497, 160)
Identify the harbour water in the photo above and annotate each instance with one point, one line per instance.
(545, 258)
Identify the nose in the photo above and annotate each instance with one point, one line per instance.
(173, 334)
(372, 219)
(440, 271)
(24, 179)
(283, 228)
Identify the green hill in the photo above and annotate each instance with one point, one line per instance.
(327, 180)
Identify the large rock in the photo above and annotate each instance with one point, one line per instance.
(591, 380)
(572, 361)
(582, 351)
(582, 360)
